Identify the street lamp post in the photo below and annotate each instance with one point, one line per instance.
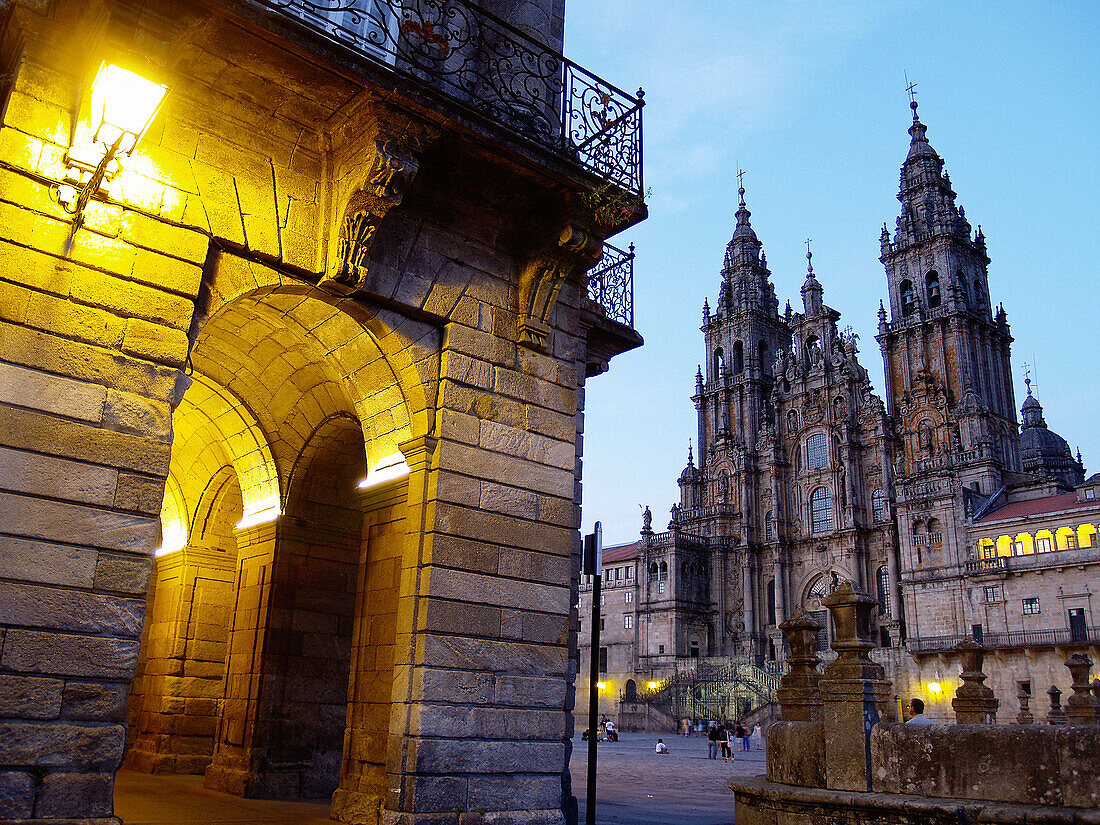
(593, 547)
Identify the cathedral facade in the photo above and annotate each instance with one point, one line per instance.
(805, 477)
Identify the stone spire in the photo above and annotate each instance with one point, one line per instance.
(811, 288)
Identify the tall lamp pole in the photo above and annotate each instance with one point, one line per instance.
(593, 547)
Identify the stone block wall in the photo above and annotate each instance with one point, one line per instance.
(352, 639)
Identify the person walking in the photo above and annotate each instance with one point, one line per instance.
(757, 738)
(712, 741)
(743, 735)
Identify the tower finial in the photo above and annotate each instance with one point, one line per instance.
(1027, 376)
(741, 185)
(911, 88)
(809, 258)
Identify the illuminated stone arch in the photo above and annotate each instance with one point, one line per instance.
(1065, 538)
(1004, 545)
(1086, 535)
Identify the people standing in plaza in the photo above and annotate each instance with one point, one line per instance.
(712, 741)
(743, 735)
(757, 738)
(724, 743)
(612, 734)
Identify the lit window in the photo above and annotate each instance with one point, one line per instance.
(817, 451)
(630, 572)
(878, 506)
(628, 621)
(661, 587)
(629, 597)
(1031, 607)
(991, 594)
(1018, 548)
(603, 599)
(821, 511)
(1043, 545)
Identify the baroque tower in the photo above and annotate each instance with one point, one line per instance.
(948, 383)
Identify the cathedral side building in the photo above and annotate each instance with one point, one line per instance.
(932, 497)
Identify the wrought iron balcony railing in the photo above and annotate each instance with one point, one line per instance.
(492, 68)
(1054, 637)
(611, 284)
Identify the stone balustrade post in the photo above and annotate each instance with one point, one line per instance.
(1024, 717)
(854, 693)
(799, 693)
(1082, 708)
(974, 702)
(1056, 716)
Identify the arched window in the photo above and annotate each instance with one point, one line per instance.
(630, 690)
(878, 506)
(962, 286)
(653, 570)
(977, 291)
(935, 534)
(884, 592)
(769, 525)
(908, 297)
(771, 602)
(684, 569)
(719, 364)
(762, 354)
(932, 282)
(817, 451)
(738, 357)
(664, 571)
(821, 510)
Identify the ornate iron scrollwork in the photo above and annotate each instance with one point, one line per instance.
(494, 69)
(611, 286)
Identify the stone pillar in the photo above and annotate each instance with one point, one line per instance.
(747, 594)
(1082, 708)
(780, 595)
(1056, 716)
(854, 692)
(173, 715)
(371, 686)
(974, 702)
(1024, 717)
(799, 693)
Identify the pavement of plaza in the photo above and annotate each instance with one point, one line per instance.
(634, 786)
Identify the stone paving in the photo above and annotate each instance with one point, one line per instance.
(635, 786)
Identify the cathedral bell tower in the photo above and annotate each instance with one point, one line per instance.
(733, 391)
(948, 377)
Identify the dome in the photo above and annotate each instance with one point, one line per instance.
(1042, 450)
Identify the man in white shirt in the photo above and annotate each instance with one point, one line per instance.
(661, 747)
(916, 713)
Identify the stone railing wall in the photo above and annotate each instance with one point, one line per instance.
(839, 756)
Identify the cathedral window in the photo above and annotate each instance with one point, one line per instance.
(932, 281)
(878, 506)
(817, 452)
(908, 297)
(771, 602)
(769, 526)
(962, 286)
(821, 510)
(738, 357)
(664, 573)
(719, 364)
(653, 570)
(883, 591)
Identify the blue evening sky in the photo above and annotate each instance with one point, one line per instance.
(808, 98)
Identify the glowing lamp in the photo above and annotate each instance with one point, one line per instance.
(652, 685)
(123, 106)
(601, 685)
(934, 688)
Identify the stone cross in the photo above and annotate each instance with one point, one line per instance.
(1082, 708)
(974, 702)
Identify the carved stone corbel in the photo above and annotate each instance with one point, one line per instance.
(543, 275)
(393, 164)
